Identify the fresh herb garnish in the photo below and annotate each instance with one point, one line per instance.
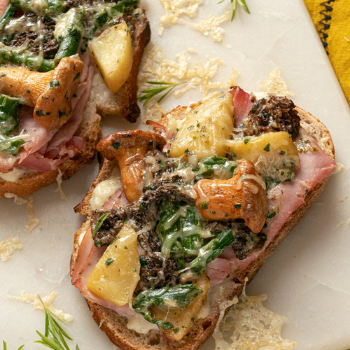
(109, 261)
(149, 93)
(234, 6)
(267, 148)
(55, 335)
(99, 224)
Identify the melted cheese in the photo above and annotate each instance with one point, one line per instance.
(105, 189)
(14, 175)
(16, 199)
(59, 183)
(47, 300)
(176, 8)
(138, 324)
(275, 85)
(255, 327)
(8, 246)
(32, 221)
(210, 26)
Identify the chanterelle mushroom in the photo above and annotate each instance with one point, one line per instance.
(129, 149)
(241, 197)
(49, 93)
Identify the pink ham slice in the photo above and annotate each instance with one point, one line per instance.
(242, 102)
(47, 150)
(218, 269)
(118, 198)
(87, 259)
(289, 196)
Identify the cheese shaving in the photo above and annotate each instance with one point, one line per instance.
(275, 85)
(176, 8)
(156, 67)
(249, 325)
(339, 168)
(210, 26)
(16, 199)
(47, 300)
(8, 246)
(59, 183)
(32, 221)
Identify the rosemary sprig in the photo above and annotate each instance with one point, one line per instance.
(5, 346)
(162, 86)
(234, 6)
(55, 335)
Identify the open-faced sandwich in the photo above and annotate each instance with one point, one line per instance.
(178, 219)
(62, 65)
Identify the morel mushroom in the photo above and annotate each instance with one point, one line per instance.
(49, 93)
(241, 197)
(129, 149)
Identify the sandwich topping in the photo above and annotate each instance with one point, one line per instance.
(200, 203)
(48, 57)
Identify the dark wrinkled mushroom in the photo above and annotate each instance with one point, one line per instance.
(241, 197)
(129, 149)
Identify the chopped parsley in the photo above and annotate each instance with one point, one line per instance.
(267, 148)
(246, 141)
(239, 205)
(109, 261)
(54, 83)
(204, 205)
(116, 145)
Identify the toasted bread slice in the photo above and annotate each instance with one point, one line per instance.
(123, 103)
(115, 325)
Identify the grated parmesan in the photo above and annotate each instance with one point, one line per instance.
(47, 300)
(210, 26)
(275, 85)
(8, 246)
(32, 221)
(176, 8)
(249, 325)
(59, 183)
(156, 67)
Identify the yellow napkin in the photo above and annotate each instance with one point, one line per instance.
(332, 21)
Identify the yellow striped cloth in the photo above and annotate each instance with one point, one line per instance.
(332, 21)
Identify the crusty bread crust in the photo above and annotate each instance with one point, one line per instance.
(90, 130)
(115, 325)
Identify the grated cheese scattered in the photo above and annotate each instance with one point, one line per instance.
(59, 183)
(47, 300)
(210, 26)
(176, 8)
(249, 325)
(156, 67)
(17, 200)
(8, 246)
(343, 222)
(32, 221)
(275, 85)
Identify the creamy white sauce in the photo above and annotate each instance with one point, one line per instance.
(138, 324)
(105, 189)
(14, 175)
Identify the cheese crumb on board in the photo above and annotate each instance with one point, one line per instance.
(249, 325)
(176, 8)
(275, 85)
(59, 183)
(339, 168)
(8, 246)
(210, 26)
(32, 221)
(156, 67)
(47, 300)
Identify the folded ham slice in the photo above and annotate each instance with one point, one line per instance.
(46, 150)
